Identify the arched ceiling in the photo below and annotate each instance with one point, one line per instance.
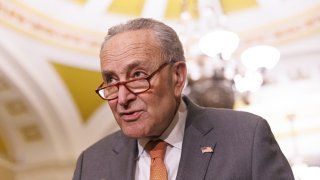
(49, 68)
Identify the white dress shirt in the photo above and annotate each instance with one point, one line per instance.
(173, 135)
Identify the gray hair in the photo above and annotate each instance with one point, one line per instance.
(169, 40)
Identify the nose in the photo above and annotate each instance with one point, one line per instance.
(125, 96)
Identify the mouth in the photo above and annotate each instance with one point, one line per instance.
(130, 115)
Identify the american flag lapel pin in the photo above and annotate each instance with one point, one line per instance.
(206, 149)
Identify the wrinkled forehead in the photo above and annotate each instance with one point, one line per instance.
(131, 44)
(133, 36)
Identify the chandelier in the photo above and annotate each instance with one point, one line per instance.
(217, 77)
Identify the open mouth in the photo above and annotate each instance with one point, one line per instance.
(131, 116)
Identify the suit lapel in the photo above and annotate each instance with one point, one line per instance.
(198, 133)
(124, 160)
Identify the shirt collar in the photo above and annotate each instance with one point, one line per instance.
(173, 135)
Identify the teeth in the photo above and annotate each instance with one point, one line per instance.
(129, 113)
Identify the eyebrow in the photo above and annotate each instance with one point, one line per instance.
(129, 67)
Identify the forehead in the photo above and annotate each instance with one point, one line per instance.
(123, 48)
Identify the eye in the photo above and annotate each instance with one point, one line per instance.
(110, 80)
(139, 74)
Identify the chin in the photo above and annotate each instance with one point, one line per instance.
(136, 129)
(134, 135)
(133, 132)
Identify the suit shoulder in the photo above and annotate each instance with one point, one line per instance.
(234, 118)
(230, 113)
(104, 143)
(216, 115)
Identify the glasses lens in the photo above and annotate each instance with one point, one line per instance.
(139, 85)
(109, 92)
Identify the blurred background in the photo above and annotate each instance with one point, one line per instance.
(261, 56)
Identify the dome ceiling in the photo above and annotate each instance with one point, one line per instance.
(49, 69)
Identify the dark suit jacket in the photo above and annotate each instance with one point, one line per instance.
(243, 145)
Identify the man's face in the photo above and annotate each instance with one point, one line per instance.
(136, 54)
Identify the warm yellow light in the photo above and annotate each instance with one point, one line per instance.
(250, 82)
(219, 41)
(262, 56)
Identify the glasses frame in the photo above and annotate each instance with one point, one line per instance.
(148, 78)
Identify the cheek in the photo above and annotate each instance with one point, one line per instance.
(113, 107)
(112, 104)
(160, 105)
(164, 88)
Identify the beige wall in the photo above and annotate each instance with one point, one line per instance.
(6, 174)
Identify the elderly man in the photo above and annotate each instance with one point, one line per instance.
(163, 134)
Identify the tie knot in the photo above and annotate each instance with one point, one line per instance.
(156, 149)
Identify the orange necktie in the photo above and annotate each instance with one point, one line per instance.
(157, 150)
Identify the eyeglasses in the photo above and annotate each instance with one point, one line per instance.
(135, 86)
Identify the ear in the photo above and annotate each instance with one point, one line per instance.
(180, 76)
